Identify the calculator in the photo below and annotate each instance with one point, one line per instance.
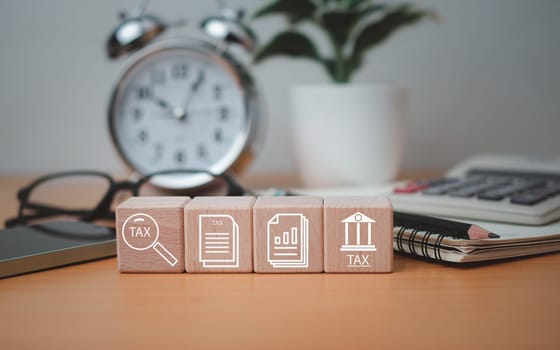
(502, 188)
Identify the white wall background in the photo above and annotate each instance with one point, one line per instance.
(486, 79)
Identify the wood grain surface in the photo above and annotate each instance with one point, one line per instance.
(297, 223)
(156, 242)
(358, 234)
(422, 305)
(219, 215)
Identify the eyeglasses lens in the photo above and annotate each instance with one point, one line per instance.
(73, 192)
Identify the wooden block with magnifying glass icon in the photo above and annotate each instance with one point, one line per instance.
(150, 234)
(358, 234)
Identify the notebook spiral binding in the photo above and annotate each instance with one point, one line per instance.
(424, 233)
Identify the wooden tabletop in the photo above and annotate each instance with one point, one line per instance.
(507, 305)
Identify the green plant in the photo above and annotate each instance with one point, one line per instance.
(352, 26)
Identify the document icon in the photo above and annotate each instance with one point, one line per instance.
(287, 240)
(218, 241)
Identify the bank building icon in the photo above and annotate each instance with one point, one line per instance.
(357, 233)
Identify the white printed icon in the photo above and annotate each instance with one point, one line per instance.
(357, 222)
(141, 232)
(288, 247)
(218, 241)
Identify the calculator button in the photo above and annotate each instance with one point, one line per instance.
(529, 198)
(465, 192)
(553, 188)
(474, 190)
(461, 193)
(517, 186)
(411, 187)
(438, 190)
(494, 195)
(417, 186)
(453, 186)
(501, 192)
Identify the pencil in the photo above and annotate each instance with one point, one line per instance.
(453, 228)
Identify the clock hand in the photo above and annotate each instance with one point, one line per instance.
(162, 103)
(194, 89)
(180, 112)
(177, 112)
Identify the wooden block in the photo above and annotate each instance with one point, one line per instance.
(219, 234)
(288, 234)
(358, 234)
(150, 234)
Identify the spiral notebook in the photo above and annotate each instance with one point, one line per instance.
(514, 241)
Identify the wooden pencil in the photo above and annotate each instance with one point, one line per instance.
(452, 228)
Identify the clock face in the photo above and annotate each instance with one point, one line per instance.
(179, 108)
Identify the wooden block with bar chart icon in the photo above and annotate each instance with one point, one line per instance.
(358, 234)
(150, 234)
(288, 234)
(218, 234)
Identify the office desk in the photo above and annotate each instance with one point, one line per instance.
(508, 305)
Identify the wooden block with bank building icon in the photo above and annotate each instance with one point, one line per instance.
(219, 234)
(288, 234)
(358, 234)
(150, 234)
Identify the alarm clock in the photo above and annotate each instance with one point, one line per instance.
(184, 103)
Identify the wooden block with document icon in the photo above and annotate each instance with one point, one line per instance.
(218, 234)
(288, 234)
(358, 234)
(150, 234)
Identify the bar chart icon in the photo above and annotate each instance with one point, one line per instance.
(218, 241)
(288, 240)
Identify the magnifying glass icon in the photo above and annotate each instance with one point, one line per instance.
(141, 232)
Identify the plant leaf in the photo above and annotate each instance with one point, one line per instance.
(339, 23)
(339, 77)
(294, 10)
(376, 32)
(352, 4)
(330, 66)
(288, 43)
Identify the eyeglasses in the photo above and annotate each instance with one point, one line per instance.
(34, 206)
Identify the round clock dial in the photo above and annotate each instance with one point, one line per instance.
(180, 108)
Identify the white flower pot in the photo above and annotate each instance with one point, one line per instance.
(348, 134)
